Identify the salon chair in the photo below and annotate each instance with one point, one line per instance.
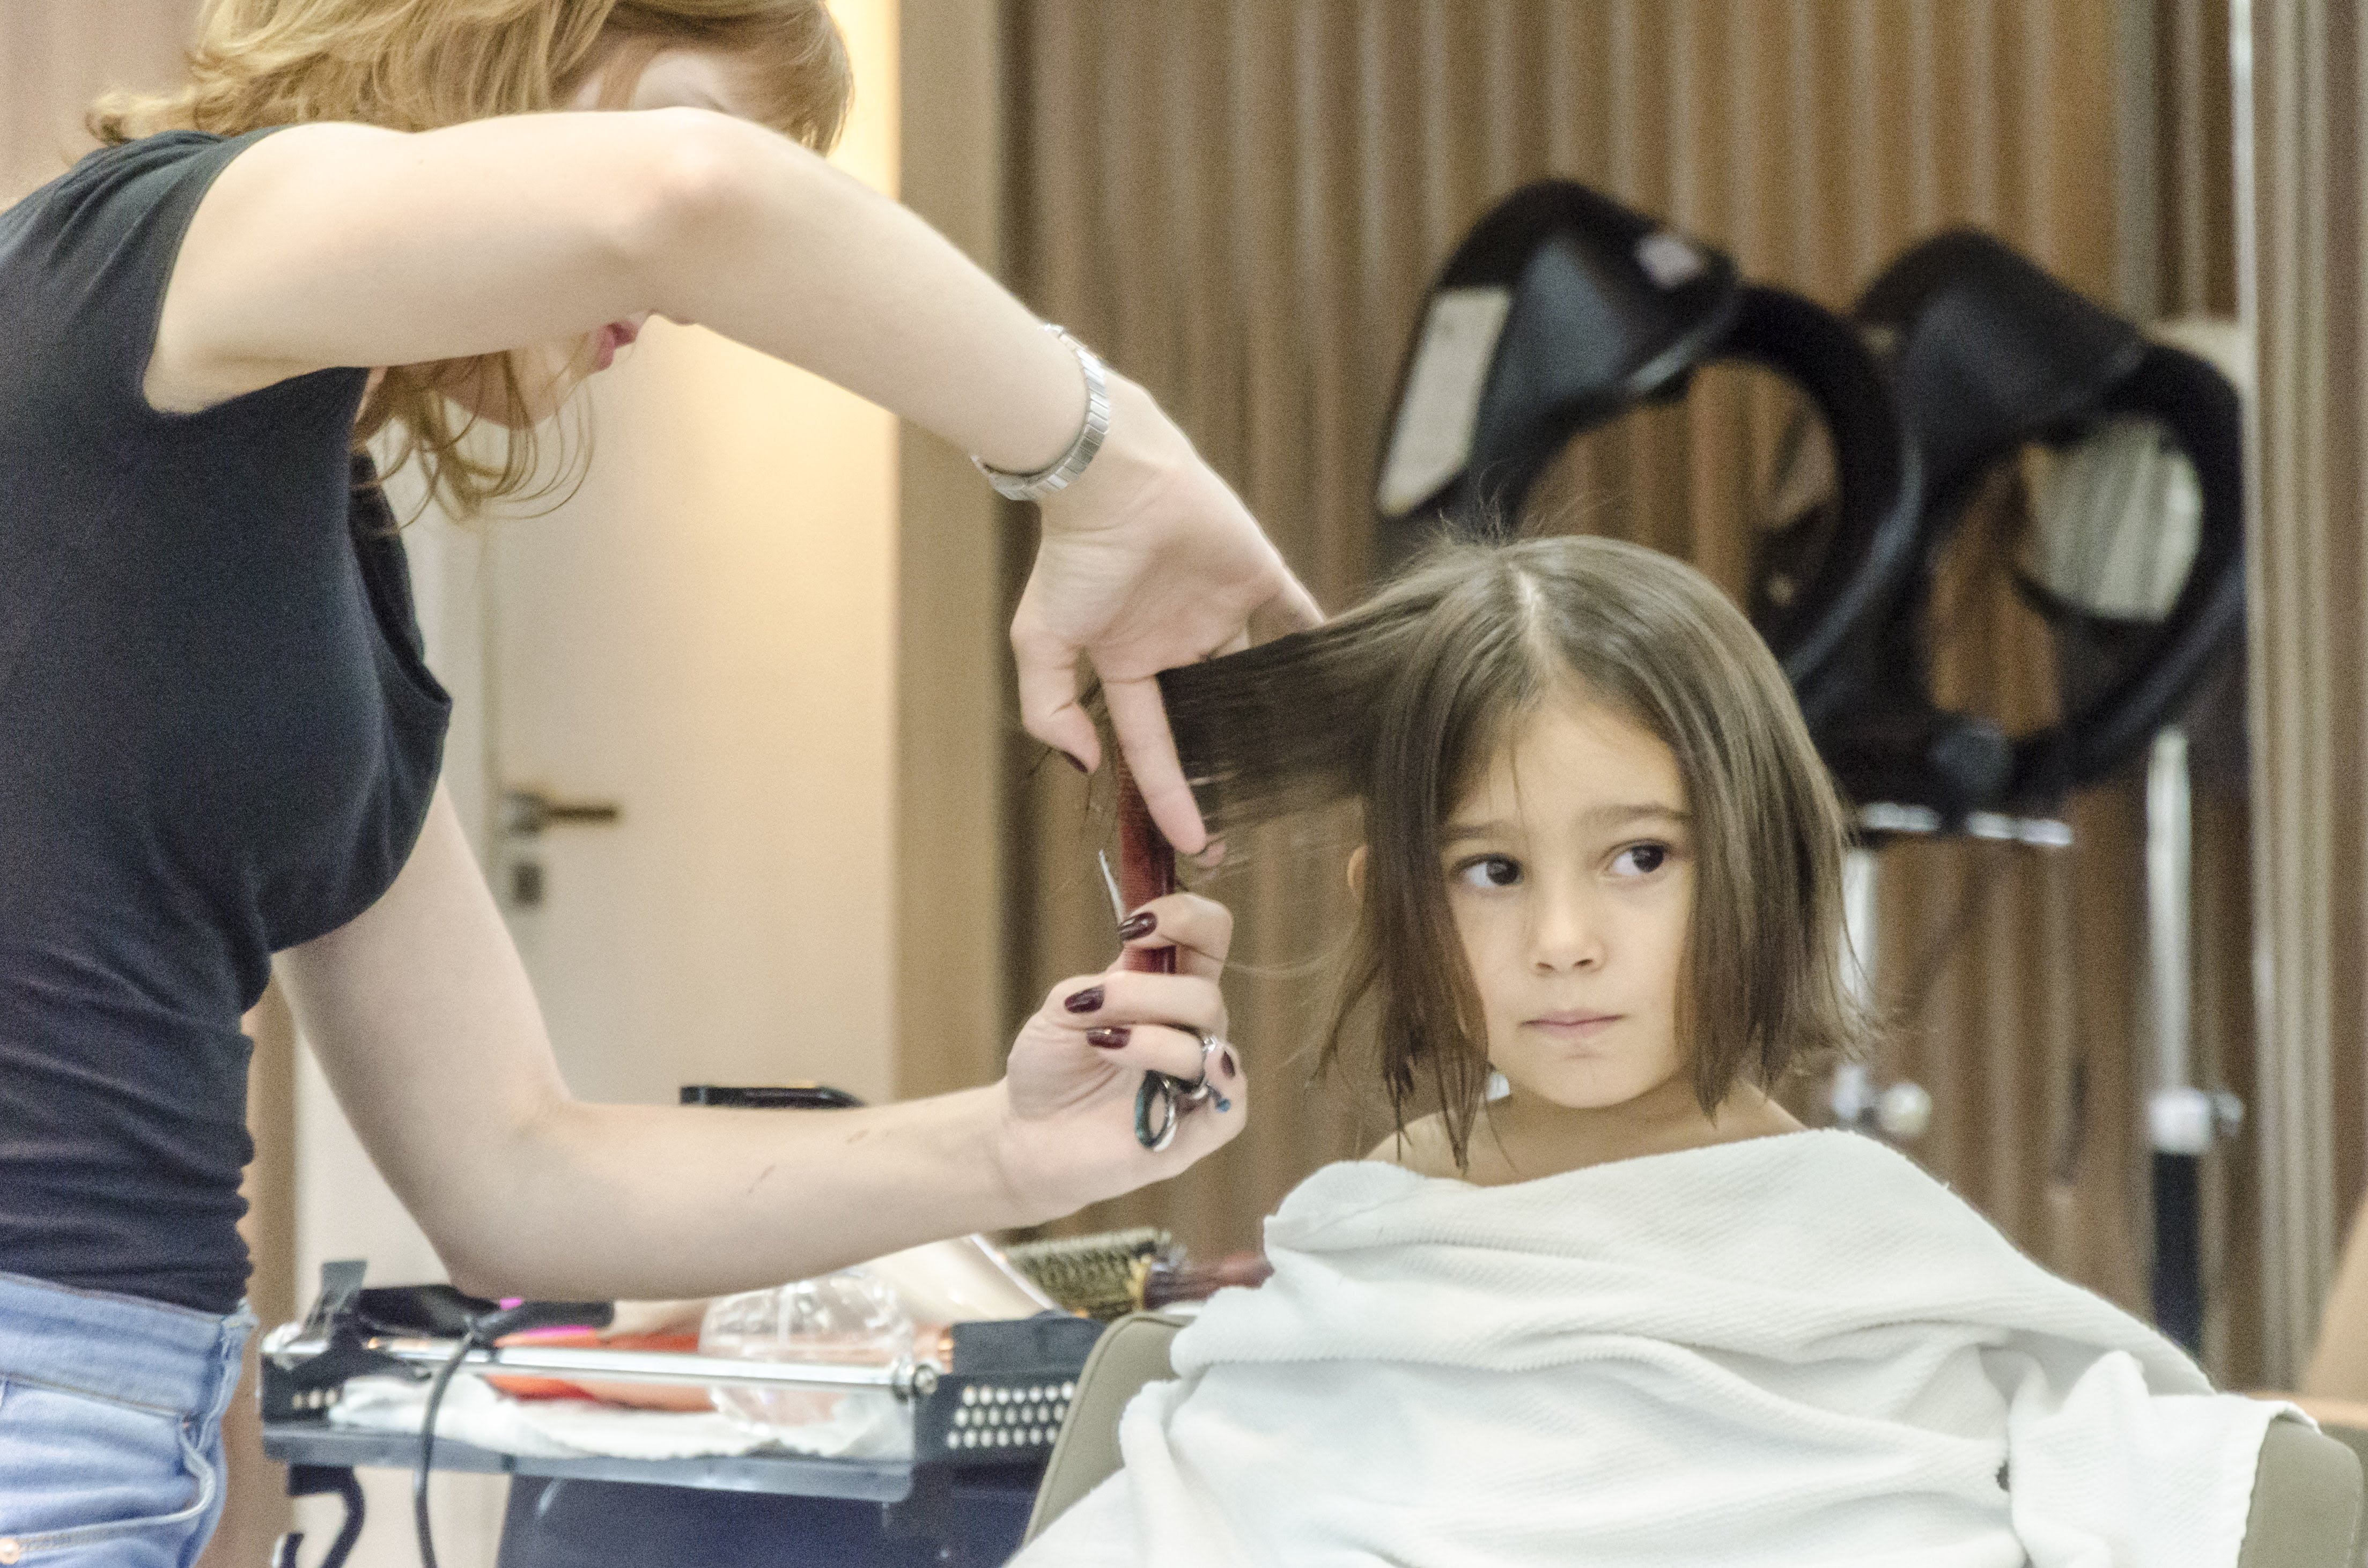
(2306, 1492)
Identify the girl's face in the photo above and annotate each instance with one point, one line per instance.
(1571, 876)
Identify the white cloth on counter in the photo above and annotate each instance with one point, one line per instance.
(1798, 1350)
(865, 1426)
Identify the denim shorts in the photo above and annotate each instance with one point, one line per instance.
(110, 1427)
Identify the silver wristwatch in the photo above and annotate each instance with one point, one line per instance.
(1071, 463)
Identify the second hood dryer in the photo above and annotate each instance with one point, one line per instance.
(1989, 354)
(1561, 310)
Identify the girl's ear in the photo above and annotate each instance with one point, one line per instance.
(1357, 872)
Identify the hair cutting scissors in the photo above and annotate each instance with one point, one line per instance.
(1148, 866)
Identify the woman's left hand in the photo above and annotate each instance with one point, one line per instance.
(1148, 561)
(1067, 1133)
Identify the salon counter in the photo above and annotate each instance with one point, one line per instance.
(777, 1510)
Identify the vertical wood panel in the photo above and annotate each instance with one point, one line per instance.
(2306, 278)
(952, 679)
(2189, 218)
(1811, 139)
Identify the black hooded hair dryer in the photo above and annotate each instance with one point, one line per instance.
(1561, 310)
(1989, 353)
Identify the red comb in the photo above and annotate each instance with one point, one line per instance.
(1146, 866)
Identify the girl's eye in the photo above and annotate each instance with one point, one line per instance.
(1489, 871)
(1642, 860)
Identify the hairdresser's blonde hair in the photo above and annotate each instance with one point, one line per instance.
(419, 64)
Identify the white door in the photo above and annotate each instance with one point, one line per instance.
(701, 641)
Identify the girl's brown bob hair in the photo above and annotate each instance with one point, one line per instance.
(1399, 703)
(420, 64)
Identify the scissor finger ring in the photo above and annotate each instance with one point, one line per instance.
(1161, 1101)
(1158, 1092)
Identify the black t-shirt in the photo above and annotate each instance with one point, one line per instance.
(217, 734)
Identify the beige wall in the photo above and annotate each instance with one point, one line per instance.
(55, 58)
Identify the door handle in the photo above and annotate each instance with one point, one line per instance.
(526, 812)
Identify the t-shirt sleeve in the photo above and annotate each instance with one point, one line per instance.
(84, 265)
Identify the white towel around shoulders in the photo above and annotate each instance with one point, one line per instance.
(1794, 1350)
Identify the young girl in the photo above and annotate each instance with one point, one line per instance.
(1628, 1311)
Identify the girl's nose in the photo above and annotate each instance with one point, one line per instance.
(1566, 934)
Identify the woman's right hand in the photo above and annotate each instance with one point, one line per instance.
(1068, 1123)
(1147, 562)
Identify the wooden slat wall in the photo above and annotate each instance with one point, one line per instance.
(2308, 132)
(1242, 202)
(2193, 215)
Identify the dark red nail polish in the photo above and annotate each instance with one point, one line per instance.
(1140, 924)
(1083, 1001)
(1105, 1038)
(1226, 1060)
(1077, 762)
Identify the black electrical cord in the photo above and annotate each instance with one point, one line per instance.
(469, 1341)
(484, 1330)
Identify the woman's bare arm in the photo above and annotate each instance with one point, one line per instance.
(424, 1021)
(346, 245)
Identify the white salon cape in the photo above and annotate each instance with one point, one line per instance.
(1797, 1350)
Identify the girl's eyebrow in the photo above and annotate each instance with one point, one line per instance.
(1607, 815)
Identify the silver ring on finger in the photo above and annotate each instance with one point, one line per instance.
(1206, 1089)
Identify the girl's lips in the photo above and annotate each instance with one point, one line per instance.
(1573, 1025)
